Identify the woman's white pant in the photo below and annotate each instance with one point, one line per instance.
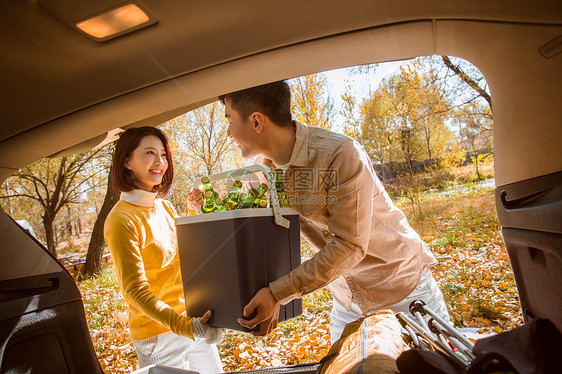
(427, 290)
(180, 352)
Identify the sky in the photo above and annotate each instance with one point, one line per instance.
(338, 78)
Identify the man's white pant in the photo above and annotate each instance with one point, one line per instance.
(179, 352)
(427, 290)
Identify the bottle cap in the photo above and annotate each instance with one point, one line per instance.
(205, 180)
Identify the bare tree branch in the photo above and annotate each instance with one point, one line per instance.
(468, 80)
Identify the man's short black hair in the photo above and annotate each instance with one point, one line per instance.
(272, 99)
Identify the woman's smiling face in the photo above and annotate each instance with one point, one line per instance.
(148, 163)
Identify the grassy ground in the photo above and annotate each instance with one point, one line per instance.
(461, 228)
(107, 315)
(473, 270)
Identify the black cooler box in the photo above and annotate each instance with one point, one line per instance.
(226, 257)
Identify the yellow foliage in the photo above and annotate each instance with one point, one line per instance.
(453, 156)
(311, 103)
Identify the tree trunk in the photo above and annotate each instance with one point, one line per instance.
(49, 233)
(97, 242)
(409, 165)
(476, 161)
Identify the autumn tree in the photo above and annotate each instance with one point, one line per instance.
(311, 103)
(378, 130)
(473, 113)
(349, 111)
(433, 105)
(475, 130)
(53, 184)
(352, 127)
(400, 112)
(406, 115)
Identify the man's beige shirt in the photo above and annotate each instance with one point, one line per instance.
(368, 252)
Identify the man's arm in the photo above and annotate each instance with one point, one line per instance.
(349, 221)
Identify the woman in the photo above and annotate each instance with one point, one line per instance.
(141, 236)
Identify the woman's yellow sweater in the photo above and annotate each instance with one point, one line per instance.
(141, 236)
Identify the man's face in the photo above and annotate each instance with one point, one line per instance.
(242, 131)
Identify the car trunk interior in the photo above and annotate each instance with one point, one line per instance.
(64, 93)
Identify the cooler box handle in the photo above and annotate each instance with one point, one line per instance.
(278, 218)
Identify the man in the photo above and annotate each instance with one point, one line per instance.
(369, 256)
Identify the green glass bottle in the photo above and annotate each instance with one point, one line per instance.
(207, 186)
(229, 205)
(248, 200)
(234, 194)
(219, 205)
(282, 196)
(261, 204)
(262, 189)
(209, 204)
